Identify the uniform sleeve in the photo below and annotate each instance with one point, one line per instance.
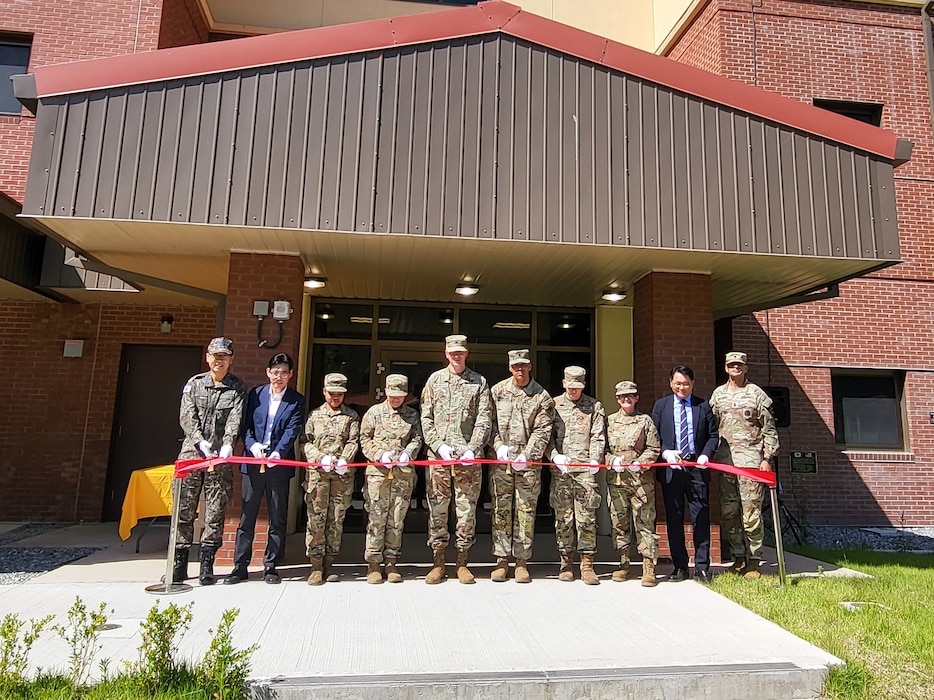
(233, 429)
(189, 417)
(367, 431)
(598, 433)
(353, 439)
(541, 430)
(429, 431)
(653, 444)
(496, 439)
(415, 440)
(312, 453)
(483, 425)
(715, 401)
(769, 431)
(293, 429)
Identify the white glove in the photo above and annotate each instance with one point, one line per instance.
(635, 467)
(561, 461)
(502, 453)
(618, 464)
(520, 463)
(468, 456)
(386, 457)
(326, 462)
(444, 452)
(594, 467)
(403, 458)
(258, 450)
(702, 461)
(226, 451)
(341, 467)
(274, 455)
(671, 456)
(206, 448)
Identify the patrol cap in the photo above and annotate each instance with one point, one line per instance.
(335, 383)
(519, 357)
(219, 346)
(574, 377)
(455, 343)
(397, 385)
(626, 387)
(735, 357)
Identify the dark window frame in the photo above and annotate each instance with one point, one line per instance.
(852, 376)
(867, 112)
(6, 85)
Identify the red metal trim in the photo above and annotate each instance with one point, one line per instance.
(487, 17)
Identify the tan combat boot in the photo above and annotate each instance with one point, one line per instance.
(501, 572)
(566, 572)
(373, 574)
(463, 573)
(437, 575)
(392, 575)
(316, 577)
(522, 571)
(622, 573)
(738, 566)
(648, 573)
(329, 573)
(587, 574)
(751, 573)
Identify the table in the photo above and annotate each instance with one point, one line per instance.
(148, 495)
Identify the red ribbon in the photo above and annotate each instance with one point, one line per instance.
(185, 466)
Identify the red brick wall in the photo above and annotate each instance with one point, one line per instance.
(62, 409)
(868, 53)
(182, 24)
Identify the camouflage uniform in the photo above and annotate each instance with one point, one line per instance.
(524, 418)
(580, 434)
(215, 414)
(327, 494)
(388, 489)
(456, 411)
(632, 494)
(747, 436)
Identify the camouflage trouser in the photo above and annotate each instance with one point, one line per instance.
(465, 483)
(218, 487)
(327, 496)
(575, 498)
(632, 498)
(513, 532)
(387, 502)
(741, 515)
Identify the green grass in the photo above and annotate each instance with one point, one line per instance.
(182, 686)
(889, 653)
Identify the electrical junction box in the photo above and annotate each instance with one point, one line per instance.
(281, 310)
(261, 309)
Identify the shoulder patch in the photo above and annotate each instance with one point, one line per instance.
(186, 389)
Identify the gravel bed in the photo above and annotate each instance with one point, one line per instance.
(883, 539)
(18, 564)
(29, 530)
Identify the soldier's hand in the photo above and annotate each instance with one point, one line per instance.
(258, 450)
(520, 463)
(444, 452)
(765, 466)
(561, 462)
(206, 448)
(702, 461)
(326, 462)
(341, 467)
(403, 457)
(618, 464)
(226, 451)
(635, 467)
(594, 467)
(468, 456)
(502, 453)
(386, 457)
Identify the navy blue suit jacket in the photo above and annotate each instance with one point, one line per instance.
(285, 429)
(706, 431)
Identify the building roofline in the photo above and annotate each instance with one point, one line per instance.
(485, 18)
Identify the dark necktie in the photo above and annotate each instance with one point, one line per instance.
(683, 443)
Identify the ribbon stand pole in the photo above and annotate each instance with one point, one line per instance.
(777, 528)
(167, 587)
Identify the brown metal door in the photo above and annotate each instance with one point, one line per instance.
(146, 432)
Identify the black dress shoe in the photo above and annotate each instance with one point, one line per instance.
(679, 575)
(236, 576)
(702, 575)
(272, 576)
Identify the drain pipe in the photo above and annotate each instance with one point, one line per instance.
(928, 29)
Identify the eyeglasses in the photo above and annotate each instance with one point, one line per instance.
(735, 364)
(279, 373)
(682, 385)
(626, 397)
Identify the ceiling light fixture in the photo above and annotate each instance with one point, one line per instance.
(446, 316)
(466, 289)
(613, 295)
(315, 282)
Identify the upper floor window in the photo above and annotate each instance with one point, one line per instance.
(869, 112)
(14, 60)
(868, 410)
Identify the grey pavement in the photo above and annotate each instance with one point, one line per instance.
(549, 639)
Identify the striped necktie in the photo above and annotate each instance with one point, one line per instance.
(683, 429)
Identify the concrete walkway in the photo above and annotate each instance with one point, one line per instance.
(548, 639)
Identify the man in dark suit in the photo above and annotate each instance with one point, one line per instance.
(688, 430)
(274, 417)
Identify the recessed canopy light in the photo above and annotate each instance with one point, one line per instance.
(565, 326)
(446, 316)
(315, 282)
(613, 295)
(466, 289)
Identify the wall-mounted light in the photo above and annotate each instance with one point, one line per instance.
(466, 289)
(315, 282)
(166, 324)
(613, 295)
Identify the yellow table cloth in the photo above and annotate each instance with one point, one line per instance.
(148, 495)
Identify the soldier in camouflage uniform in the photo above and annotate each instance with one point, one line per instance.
(577, 447)
(211, 415)
(525, 413)
(748, 438)
(332, 433)
(391, 434)
(457, 418)
(632, 441)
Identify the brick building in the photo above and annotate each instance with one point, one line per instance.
(135, 260)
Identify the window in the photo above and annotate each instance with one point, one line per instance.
(867, 409)
(14, 60)
(869, 112)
